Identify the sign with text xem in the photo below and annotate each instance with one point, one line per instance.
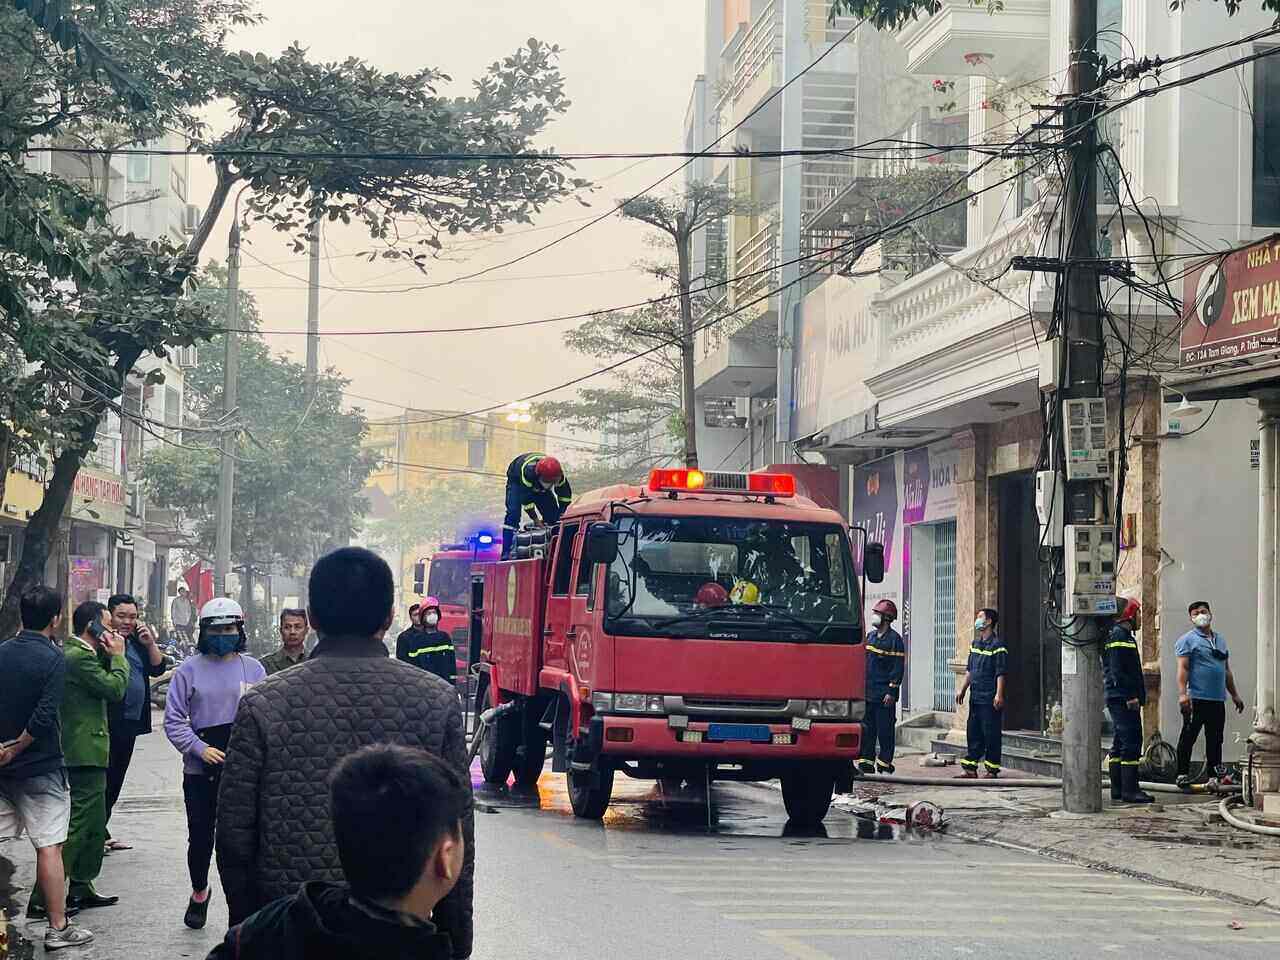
(1231, 306)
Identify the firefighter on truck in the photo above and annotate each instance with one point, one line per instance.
(700, 627)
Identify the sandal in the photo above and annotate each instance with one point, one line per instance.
(112, 845)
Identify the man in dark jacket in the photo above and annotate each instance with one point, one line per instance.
(292, 729)
(537, 485)
(428, 646)
(1126, 696)
(408, 639)
(397, 867)
(886, 660)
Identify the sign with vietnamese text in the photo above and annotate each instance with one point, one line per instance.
(1231, 306)
(98, 497)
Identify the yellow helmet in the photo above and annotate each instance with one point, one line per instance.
(745, 592)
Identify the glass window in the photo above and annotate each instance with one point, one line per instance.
(139, 168)
(564, 560)
(585, 585)
(449, 580)
(1266, 141)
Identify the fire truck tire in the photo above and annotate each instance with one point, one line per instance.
(498, 752)
(590, 792)
(532, 756)
(807, 795)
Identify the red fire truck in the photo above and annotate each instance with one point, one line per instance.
(449, 581)
(703, 627)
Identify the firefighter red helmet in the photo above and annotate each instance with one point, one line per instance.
(711, 594)
(548, 471)
(1130, 609)
(428, 603)
(886, 608)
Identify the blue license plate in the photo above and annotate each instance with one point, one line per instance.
(748, 732)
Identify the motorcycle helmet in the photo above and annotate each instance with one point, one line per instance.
(218, 612)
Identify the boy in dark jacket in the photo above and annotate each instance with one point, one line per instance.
(398, 866)
(1126, 696)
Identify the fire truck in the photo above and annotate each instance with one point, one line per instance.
(448, 579)
(705, 626)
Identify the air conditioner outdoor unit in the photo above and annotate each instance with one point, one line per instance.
(190, 218)
(742, 407)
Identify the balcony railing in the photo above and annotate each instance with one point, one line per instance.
(756, 265)
(759, 50)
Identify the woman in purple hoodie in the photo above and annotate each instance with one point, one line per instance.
(199, 709)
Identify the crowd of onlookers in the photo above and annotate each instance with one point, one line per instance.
(333, 786)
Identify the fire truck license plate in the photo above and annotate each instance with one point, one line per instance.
(750, 732)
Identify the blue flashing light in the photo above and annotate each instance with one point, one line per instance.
(484, 539)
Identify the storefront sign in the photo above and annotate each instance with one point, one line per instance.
(836, 349)
(98, 497)
(929, 485)
(875, 507)
(1231, 306)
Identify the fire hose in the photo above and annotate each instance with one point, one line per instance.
(1224, 809)
(486, 719)
(1046, 784)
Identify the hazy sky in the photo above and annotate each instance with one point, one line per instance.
(628, 69)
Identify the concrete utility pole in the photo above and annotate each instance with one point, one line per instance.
(313, 312)
(1082, 701)
(230, 374)
(1266, 719)
(683, 235)
(795, 58)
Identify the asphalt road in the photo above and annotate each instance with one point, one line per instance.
(653, 882)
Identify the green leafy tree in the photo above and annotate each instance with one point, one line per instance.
(307, 140)
(895, 14)
(424, 517)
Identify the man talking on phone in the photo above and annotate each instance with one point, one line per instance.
(131, 717)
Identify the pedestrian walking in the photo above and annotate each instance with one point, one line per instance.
(131, 717)
(1204, 680)
(984, 675)
(431, 648)
(1126, 696)
(181, 612)
(97, 674)
(273, 829)
(537, 485)
(408, 638)
(293, 641)
(199, 710)
(886, 660)
(398, 868)
(35, 797)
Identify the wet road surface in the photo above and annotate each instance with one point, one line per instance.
(653, 881)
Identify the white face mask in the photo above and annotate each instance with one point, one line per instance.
(431, 619)
(980, 623)
(1203, 619)
(876, 620)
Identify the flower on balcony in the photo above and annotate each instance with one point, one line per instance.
(944, 86)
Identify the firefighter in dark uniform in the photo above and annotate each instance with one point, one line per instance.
(432, 649)
(988, 662)
(537, 485)
(1126, 696)
(886, 658)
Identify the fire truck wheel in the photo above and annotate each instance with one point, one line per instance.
(590, 792)
(498, 752)
(807, 795)
(532, 756)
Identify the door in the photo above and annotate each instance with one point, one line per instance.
(555, 626)
(944, 615)
(1019, 603)
(581, 633)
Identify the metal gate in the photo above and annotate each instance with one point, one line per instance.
(944, 615)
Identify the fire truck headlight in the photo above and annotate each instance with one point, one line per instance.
(814, 709)
(835, 708)
(601, 702)
(638, 702)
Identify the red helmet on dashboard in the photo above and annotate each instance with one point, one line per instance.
(886, 608)
(711, 594)
(548, 471)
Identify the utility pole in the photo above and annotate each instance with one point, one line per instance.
(230, 374)
(313, 311)
(683, 235)
(1082, 327)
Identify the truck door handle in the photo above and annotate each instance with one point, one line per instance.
(548, 632)
(570, 634)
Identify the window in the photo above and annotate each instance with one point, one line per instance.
(476, 453)
(585, 586)
(1266, 141)
(139, 168)
(564, 561)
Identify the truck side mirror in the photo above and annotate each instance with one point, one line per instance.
(602, 543)
(419, 577)
(873, 562)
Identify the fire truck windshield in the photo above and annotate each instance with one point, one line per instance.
(692, 570)
(449, 580)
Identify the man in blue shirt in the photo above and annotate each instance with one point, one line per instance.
(988, 661)
(1204, 680)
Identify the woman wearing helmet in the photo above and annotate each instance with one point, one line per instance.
(198, 713)
(1126, 696)
(886, 658)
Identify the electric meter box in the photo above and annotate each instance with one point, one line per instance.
(1049, 497)
(1086, 436)
(1089, 559)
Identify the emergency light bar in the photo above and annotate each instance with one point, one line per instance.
(695, 481)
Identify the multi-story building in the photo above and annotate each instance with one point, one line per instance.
(419, 447)
(921, 384)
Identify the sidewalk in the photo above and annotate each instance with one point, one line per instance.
(1179, 841)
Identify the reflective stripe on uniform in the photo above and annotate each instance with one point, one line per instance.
(988, 653)
(532, 458)
(991, 766)
(885, 653)
(440, 649)
(969, 763)
(1122, 645)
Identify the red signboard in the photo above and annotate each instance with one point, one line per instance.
(1231, 306)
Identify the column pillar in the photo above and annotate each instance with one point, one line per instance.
(1265, 739)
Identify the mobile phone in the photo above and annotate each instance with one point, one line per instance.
(96, 630)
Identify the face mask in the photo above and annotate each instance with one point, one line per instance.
(220, 644)
(432, 619)
(980, 624)
(876, 620)
(1203, 619)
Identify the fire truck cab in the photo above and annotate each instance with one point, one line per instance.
(706, 626)
(449, 581)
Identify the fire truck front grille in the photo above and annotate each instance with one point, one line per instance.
(753, 706)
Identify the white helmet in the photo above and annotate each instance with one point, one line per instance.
(219, 611)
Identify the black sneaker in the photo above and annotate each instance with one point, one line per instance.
(197, 913)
